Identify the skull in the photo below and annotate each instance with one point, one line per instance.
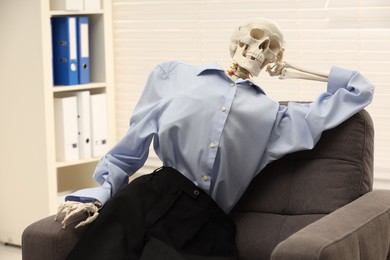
(256, 43)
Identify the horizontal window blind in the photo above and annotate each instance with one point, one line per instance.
(319, 34)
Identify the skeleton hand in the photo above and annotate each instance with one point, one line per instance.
(279, 66)
(277, 69)
(72, 208)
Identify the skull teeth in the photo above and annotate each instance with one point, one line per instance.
(254, 57)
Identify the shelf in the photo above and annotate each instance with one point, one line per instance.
(57, 89)
(75, 12)
(61, 196)
(78, 162)
(45, 177)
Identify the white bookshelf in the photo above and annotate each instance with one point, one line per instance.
(32, 179)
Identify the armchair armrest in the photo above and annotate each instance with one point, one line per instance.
(47, 240)
(359, 230)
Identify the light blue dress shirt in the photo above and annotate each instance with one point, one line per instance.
(220, 133)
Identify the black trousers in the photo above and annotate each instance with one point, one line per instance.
(161, 215)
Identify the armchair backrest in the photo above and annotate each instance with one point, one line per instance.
(300, 188)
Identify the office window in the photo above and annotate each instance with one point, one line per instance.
(318, 33)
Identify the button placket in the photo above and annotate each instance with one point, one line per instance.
(219, 121)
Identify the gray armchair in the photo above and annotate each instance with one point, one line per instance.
(315, 204)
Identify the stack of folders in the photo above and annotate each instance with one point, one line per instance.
(70, 41)
(81, 126)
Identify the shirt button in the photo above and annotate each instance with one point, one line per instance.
(223, 109)
(250, 84)
(205, 177)
(232, 84)
(212, 145)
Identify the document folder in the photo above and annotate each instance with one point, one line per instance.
(65, 61)
(66, 128)
(83, 49)
(84, 124)
(99, 124)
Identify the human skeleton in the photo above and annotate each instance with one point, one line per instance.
(256, 44)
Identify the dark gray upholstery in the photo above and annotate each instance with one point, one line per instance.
(305, 186)
(298, 207)
(359, 230)
(47, 240)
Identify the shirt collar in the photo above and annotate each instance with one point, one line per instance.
(211, 66)
(216, 67)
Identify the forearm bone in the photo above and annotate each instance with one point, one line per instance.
(287, 70)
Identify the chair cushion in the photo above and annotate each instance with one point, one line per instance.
(302, 187)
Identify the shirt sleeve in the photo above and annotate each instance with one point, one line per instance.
(299, 126)
(130, 153)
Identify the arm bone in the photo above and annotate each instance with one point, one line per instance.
(301, 73)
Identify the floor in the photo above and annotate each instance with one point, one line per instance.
(10, 252)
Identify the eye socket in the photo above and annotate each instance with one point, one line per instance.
(264, 45)
(274, 45)
(257, 34)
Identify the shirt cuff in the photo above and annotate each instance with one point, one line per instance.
(338, 78)
(90, 195)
